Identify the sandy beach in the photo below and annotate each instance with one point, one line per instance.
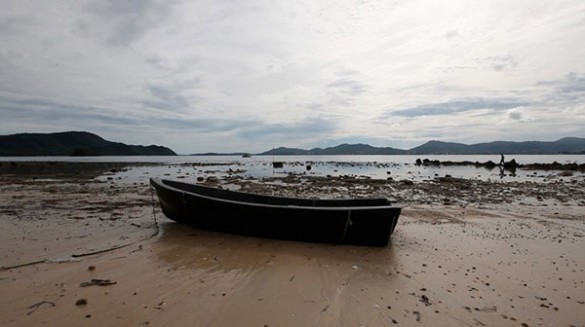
(76, 250)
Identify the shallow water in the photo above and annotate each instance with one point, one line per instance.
(375, 167)
(397, 159)
(396, 167)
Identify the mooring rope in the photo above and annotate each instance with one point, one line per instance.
(347, 223)
(154, 211)
(85, 254)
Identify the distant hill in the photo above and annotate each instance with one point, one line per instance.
(340, 149)
(568, 145)
(285, 151)
(438, 147)
(72, 144)
(357, 149)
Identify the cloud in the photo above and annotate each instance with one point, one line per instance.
(167, 98)
(50, 113)
(15, 24)
(456, 106)
(452, 34)
(563, 93)
(572, 83)
(192, 125)
(347, 87)
(515, 115)
(123, 22)
(501, 63)
(303, 129)
(252, 134)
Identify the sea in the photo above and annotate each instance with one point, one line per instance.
(390, 167)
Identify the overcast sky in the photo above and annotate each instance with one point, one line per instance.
(230, 75)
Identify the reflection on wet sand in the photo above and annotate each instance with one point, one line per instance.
(276, 281)
(186, 247)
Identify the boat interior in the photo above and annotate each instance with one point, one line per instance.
(271, 200)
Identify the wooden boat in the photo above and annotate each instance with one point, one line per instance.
(352, 221)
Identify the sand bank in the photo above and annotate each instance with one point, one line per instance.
(514, 260)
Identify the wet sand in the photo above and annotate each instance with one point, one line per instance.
(465, 253)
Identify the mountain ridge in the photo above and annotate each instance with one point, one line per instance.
(80, 143)
(72, 143)
(566, 145)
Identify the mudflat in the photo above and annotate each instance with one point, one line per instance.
(80, 250)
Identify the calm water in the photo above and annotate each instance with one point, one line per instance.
(399, 159)
(396, 167)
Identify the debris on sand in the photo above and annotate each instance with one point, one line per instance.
(425, 299)
(98, 282)
(81, 302)
(35, 306)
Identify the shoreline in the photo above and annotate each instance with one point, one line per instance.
(415, 171)
(465, 252)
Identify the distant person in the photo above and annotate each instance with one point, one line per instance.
(502, 162)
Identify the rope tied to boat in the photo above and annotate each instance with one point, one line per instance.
(90, 253)
(154, 210)
(348, 223)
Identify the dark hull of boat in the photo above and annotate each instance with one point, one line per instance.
(359, 221)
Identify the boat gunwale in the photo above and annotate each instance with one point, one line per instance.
(161, 183)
